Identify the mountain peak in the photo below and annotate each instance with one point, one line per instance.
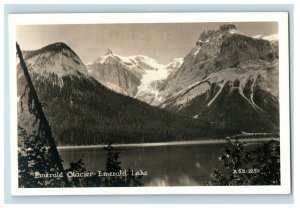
(227, 27)
(206, 35)
(109, 52)
(54, 47)
(56, 59)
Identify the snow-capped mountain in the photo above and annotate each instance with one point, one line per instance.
(226, 84)
(81, 111)
(136, 76)
(222, 63)
(117, 73)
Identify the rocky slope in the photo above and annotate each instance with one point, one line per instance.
(137, 76)
(228, 80)
(118, 75)
(49, 66)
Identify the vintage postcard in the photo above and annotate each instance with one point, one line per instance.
(153, 103)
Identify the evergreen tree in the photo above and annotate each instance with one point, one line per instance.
(37, 152)
(113, 164)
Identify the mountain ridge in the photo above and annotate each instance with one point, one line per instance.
(227, 84)
(227, 64)
(81, 111)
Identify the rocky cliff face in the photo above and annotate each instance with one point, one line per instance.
(111, 71)
(216, 50)
(137, 76)
(238, 48)
(228, 80)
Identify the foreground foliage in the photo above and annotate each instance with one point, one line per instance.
(259, 165)
(35, 157)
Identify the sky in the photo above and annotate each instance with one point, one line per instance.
(162, 41)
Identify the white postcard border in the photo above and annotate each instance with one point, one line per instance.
(113, 18)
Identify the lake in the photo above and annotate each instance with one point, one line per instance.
(167, 164)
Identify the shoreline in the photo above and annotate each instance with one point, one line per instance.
(156, 144)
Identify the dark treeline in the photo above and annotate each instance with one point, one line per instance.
(83, 112)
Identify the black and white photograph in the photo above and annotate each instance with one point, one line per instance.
(176, 104)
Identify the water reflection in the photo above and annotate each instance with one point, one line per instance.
(180, 165)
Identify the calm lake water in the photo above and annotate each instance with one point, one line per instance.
(174, 165)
